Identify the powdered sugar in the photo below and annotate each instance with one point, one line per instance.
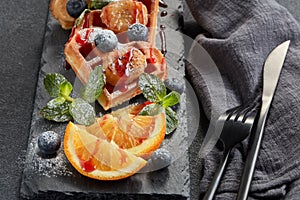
(54, 166)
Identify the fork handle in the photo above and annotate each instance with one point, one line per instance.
(217, 178)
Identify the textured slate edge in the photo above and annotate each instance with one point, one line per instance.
(74, 196)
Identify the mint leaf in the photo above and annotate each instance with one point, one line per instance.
(152, 87)
(65, 89)
(57, 110)
(81, 17)
(98, 4)
(171, 119)
(151, 110)
(94, 86)
(52, 84)
(56, 102)
(82, 112)
(171, 99)
(155, 91)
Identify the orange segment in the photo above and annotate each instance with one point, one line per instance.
(114, 133)
(87, 161)
(140, 135)
(97, 158)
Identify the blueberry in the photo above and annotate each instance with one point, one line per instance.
(106, 40)
(137, 32)
(161, 158)
(76, 7)
(49, 142)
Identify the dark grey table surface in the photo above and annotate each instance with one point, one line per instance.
(21, 41)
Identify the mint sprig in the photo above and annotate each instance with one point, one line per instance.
(171, 119)
(92, 90)
(82, 112)
(99, 4)
(93, 5)
(52, 84)
(154, 90)
(57, 110)
(151, 109)
(152, 87)
(65, 108)
(171, 99)
(81, 17)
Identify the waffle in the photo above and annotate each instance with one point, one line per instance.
(100, 18)
(59, 12)
(138, 56)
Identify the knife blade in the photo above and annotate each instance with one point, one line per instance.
(271, 73)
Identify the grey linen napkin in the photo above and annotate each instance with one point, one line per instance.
(240, 35)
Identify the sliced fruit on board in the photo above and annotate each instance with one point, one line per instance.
(140, 135)
(111, 148)
(97, 158)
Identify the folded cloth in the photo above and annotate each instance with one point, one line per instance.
(240, 35)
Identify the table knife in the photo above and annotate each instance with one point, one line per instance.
(271, 73)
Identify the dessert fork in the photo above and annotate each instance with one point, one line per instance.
(237, 124)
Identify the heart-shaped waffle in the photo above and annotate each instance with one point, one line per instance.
(122, 66)
(127, 60)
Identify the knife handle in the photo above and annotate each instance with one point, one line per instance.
(253, 153)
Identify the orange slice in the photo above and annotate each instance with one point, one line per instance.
(140, 135)
(97, 158)
(112, 147)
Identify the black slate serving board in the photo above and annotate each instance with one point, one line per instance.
(55, 178)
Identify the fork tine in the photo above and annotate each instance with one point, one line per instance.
(235, 113)
(232, 112)
(243, 114)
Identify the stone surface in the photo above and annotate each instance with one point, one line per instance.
(21, 41)
(56, 178)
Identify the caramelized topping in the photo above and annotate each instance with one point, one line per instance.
(118, 16)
